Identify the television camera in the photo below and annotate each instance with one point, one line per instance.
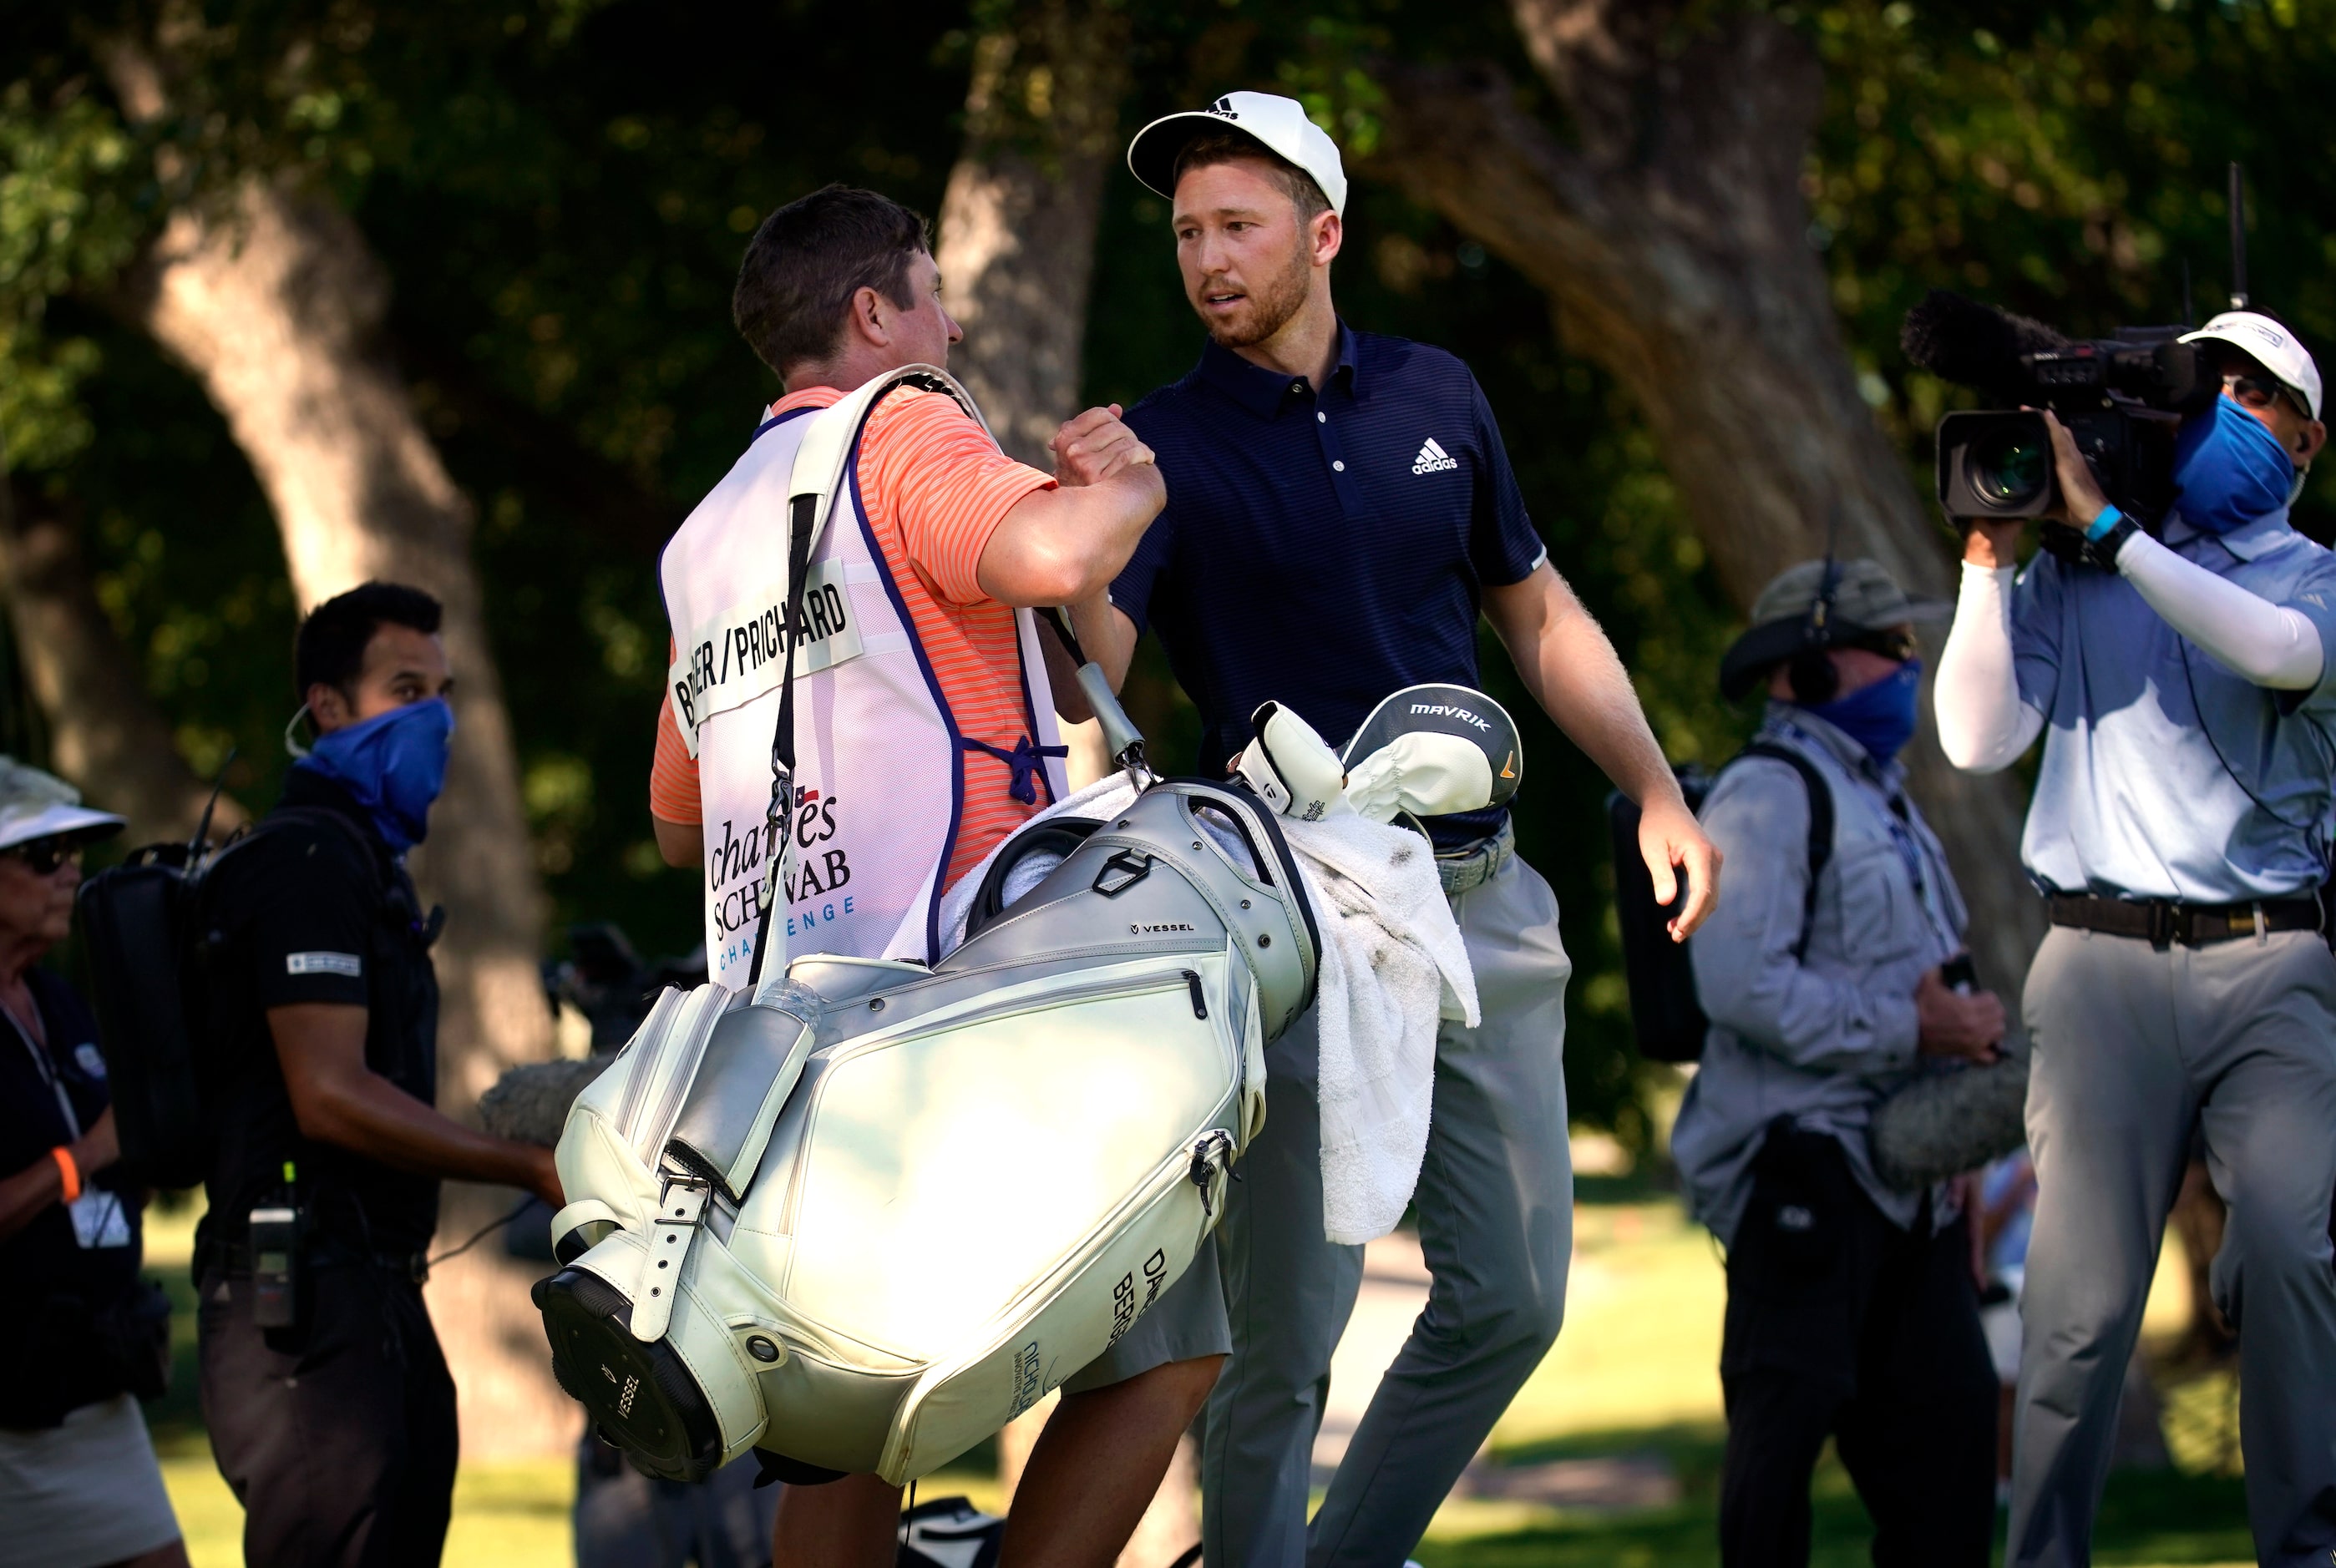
(2122, 396)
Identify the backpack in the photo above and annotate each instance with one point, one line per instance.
(861, 1217)
(1666, 1018)
(143, 927)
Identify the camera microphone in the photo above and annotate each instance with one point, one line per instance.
(1974, 344)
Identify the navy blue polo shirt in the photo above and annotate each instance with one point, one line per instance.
(1322, 551)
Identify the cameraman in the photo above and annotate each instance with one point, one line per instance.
(2180, 833)
(1852, 1308)
(336, 1429)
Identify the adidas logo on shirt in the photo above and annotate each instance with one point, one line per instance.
(1433, 459)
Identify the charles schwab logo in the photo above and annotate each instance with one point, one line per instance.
(737, 874)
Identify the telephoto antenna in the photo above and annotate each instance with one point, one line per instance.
(1829, 584)
(202, 840)
(2238, 206)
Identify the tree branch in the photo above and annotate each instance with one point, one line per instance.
(106, 733)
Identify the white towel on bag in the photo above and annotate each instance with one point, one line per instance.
(1392, 965)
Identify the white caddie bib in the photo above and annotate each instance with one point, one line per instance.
(879, 760)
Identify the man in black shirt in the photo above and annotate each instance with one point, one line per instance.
(337, 1429)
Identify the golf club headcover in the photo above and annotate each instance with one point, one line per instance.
(1291, 768)
(1431, 751)
(1425, 772)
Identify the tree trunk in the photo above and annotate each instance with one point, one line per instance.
(274, 301)
(105, 733)
(1019, 219)
(1670, 236)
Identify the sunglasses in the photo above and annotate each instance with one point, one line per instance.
(2254, 393)
(42, 857)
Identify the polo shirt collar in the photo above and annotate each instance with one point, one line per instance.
(1265, 393)
(2266, 536)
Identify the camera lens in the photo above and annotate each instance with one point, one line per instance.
(2010, 466)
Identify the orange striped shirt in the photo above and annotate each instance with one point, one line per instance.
(936, 489)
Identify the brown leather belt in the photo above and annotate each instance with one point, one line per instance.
(2160, 922)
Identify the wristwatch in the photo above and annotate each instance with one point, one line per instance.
(2106, 536)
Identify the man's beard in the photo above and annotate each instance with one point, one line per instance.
(1270, 306)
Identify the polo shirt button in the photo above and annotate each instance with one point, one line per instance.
(1320, 418)
(1337, 466)
(1298, 386)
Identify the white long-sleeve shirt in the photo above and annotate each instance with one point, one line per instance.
(1984, 726)
(2187, 704)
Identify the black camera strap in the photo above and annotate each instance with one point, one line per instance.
(778, 819)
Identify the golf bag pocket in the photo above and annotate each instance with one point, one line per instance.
(860, 1227)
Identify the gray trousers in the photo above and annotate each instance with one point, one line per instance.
(1496, 1210)
(2134, 1047)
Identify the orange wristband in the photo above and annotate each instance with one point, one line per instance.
(69, 1170)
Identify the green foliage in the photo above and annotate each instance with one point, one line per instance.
(66, 223)
(2066, 162)
(560, 191)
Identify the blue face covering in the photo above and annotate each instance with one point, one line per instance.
(1879, 717)
(2229, 468)
(393, 764)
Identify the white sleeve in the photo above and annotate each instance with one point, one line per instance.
(1984, 726)
(2254, 639)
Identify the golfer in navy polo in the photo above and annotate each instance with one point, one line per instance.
(1339, 511)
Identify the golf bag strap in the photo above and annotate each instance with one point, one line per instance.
(827, 445)
(679, 1213)
(828, 441)
(1820, 829)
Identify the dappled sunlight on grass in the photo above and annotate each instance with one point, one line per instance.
(1635, 1372)
(508, 1513)
(1641, 1346)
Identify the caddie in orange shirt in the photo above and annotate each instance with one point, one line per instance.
(925, 734)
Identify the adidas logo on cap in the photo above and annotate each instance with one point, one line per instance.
(1433, 459)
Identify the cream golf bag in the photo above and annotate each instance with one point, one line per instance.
(862, 1223)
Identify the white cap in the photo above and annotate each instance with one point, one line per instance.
(1278, 124)
(37, 805)
(2270, 345)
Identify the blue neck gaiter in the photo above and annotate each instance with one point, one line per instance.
(1879, 717)
(2229, 469)
(393, 764)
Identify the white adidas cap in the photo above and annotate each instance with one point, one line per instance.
(1278, 124)
(2272, 345)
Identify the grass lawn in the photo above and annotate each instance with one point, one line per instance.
(1636, 1371)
